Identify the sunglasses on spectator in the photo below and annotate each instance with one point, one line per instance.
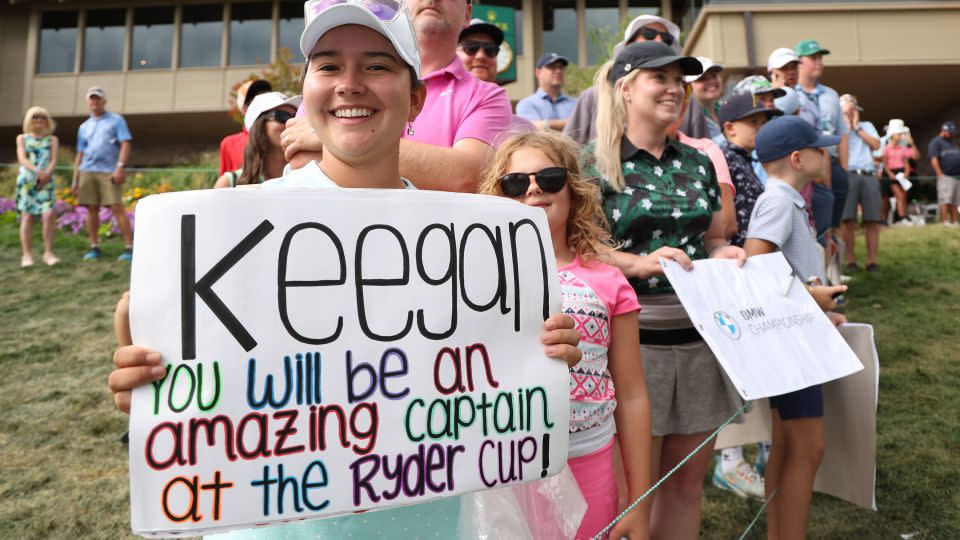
(650, 34)
(550, 180)
(473, 47)
(279, 115)
(40, 117)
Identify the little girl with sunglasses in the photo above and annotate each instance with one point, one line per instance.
(540, 169)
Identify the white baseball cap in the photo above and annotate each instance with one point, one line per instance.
(267, 102)
(388, 17)
(781, 57)
(708, 64)
(644, 20)
(96, 91)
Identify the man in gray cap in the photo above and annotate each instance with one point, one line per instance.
(945, 160)
(864, 185)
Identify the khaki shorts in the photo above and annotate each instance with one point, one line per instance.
(948, 190)
(97, 189)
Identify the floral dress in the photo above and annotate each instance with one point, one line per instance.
(31, 197)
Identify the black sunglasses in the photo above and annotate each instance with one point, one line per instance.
(473, 47)
(40, 117)
(279, 115)
(550, 180)
(650, 34)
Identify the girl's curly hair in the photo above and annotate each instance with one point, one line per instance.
(588, 233)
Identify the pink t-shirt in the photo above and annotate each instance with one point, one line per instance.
(461, 106)
(897, 155)
(715, 154)
(593, 295)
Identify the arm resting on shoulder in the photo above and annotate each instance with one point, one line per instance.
(444, 169)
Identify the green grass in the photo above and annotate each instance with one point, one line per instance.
(64, 471)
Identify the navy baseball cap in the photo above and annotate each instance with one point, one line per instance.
(741, 106)
(551, 57)
(785, 134)
(949, 126)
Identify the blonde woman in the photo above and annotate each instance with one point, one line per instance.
(37, 153)
(662, 199)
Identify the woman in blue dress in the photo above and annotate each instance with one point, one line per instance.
(37, 153)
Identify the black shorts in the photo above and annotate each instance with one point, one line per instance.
(886, 182)
(805, 403)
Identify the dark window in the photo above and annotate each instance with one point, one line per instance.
(250, 28)
(560, 29)
(200, 35)
(152, 38)
(58, 42)
(291, 26)
(103, 40)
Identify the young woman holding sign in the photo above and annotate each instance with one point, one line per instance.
(361, 89)
(662, 199)
(540, 169)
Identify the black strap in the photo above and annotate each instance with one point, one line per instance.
(680, 336)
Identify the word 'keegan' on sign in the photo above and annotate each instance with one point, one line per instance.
(330, 351)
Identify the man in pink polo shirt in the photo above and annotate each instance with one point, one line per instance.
(451, 139)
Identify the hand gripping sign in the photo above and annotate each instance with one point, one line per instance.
(768, 341)
(330, 351)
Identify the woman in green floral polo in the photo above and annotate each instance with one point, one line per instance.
(662, 199)
(37, 153)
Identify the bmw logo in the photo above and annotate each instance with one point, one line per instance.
(727, 324)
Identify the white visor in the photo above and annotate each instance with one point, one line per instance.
(267, 102)
(321, 16)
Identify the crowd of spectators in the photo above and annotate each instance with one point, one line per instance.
(682, 170)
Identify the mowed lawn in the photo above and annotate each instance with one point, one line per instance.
(64, 470)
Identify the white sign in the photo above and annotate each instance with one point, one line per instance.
(359, 348)
(767, 332)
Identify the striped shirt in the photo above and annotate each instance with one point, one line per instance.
(779, 217)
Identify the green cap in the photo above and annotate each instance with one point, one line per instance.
(809, 47)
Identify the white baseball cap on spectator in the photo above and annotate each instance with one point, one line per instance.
(630, 34)
(850, 98)
(789, 103)
(781, 57)
(708, 65)
(267, 102)
(388, 17)
(96, 91)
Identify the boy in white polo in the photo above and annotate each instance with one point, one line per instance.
(792, 152)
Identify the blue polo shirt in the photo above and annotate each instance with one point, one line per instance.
(99, 139)
(539, 107)
(822, 109)
(859, 154)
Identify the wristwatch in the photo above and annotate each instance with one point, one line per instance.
(120, 164)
